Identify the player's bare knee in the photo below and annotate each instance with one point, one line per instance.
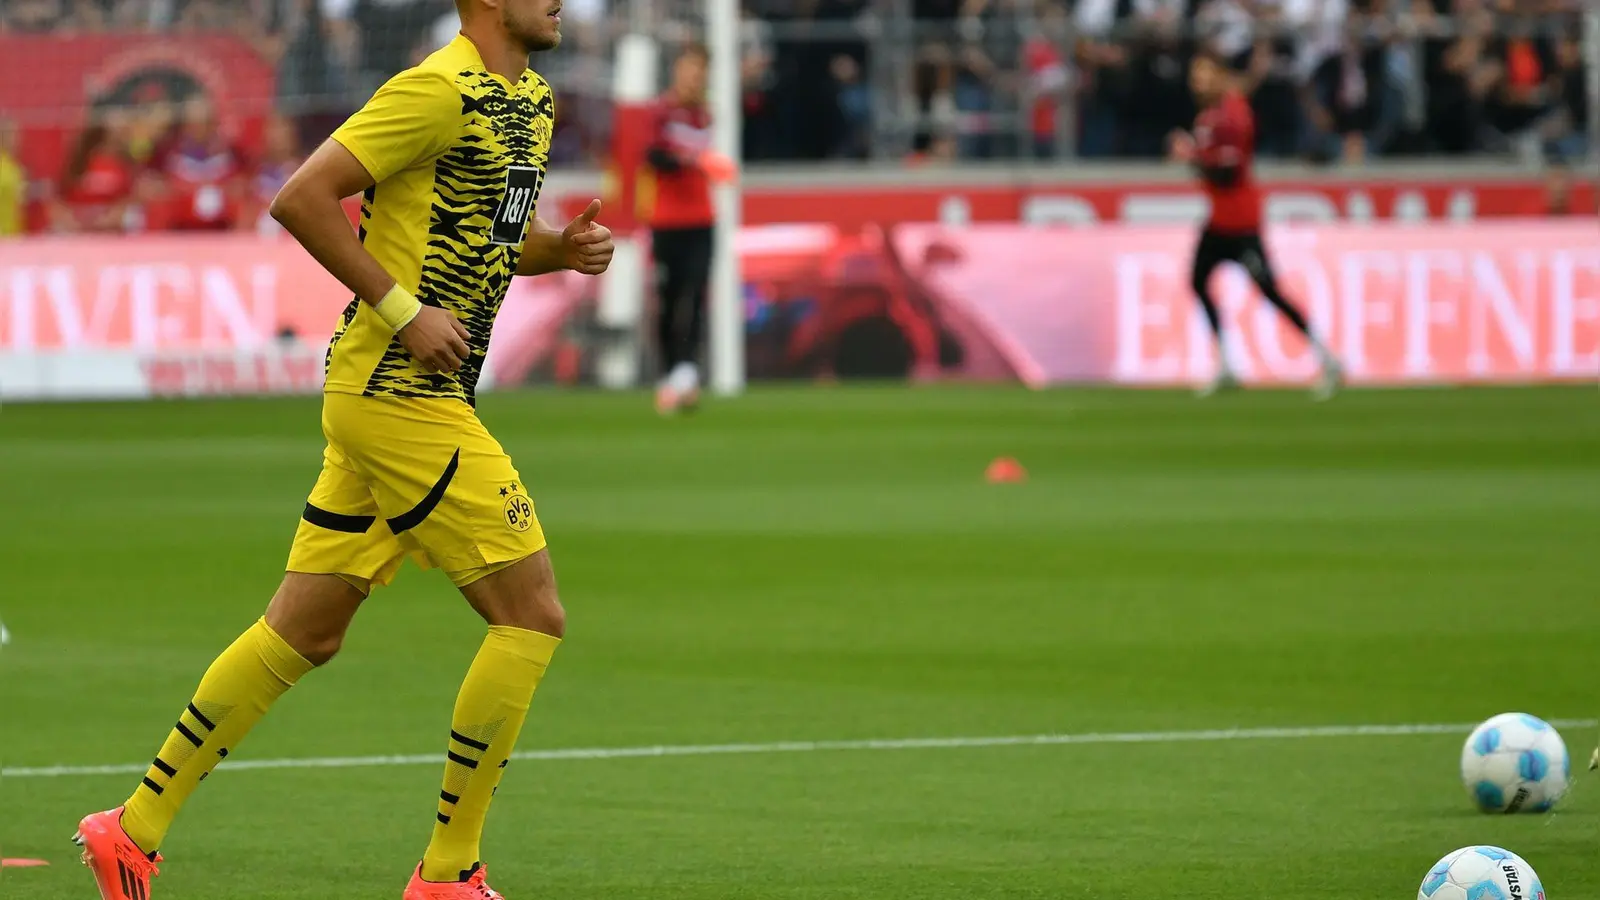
(312, 613)
(523, 595)
(534, 610)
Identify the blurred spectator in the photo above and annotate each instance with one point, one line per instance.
(280, 156)
(96, 190)
(1049, 79)
(1557, 200)
(13, 181)
(760, 120)
(933, 86)
(1349, 96)
(1567, 132)
(382, 34)
(855, 108)
(1135, 60)
(1528, 79)
(203, 173)
(1272, 61)
(1160, 81)
(1458, 73)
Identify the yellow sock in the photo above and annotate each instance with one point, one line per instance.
(234, 694)
(489, 713)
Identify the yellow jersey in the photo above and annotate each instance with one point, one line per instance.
(13, 193)
(458, 155)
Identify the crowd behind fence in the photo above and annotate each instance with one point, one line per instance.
(930, 81)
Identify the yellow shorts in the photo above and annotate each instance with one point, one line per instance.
(412, 477)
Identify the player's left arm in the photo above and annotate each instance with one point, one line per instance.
(584, 246)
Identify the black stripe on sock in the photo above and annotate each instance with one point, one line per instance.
(448, 797)
(193, 738)
(165, 769)
(156, 788)
(204, 722)
(443, 819)
(223, 752)
(333, 521)
(458, 758)
(414, 516)
(460, 738)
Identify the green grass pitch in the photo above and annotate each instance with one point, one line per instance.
(828, 564)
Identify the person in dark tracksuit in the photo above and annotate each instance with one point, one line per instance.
(675, 201)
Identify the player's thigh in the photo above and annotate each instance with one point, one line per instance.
(1252, 255)
(1209, 252)
(340, 532)
(697, 256)
(444, 486)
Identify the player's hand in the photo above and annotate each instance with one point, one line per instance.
(586, 245)
(437, 339)
(1180, 146)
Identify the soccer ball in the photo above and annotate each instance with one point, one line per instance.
(1481, 873)
(1515, 763)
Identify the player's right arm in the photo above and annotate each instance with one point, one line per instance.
(410, 120)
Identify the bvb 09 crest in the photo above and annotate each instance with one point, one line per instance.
(518, 510)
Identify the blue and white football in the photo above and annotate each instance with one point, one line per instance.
(1481, 873)
(1515, 763)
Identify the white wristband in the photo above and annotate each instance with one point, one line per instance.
(397, 308)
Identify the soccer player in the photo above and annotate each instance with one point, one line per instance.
(449, 157)
(675, 197)
(1222, 148)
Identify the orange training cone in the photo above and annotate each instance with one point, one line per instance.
(1005, 470)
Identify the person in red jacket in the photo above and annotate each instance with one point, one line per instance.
(675, 201)
(1222, 149)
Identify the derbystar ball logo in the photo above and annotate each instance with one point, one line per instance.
(1513, 882)
(1518, 799)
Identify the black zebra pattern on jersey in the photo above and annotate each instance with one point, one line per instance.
(503, 147)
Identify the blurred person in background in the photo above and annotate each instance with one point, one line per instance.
(675, 201)
(760, 123)
(855, 108)
(1103, 58)
(1566, 133)
(280, 157)
(96, 191)
(1049, 79)
(933, 91)
(1529, 80)
(1458, 72)
(203, 173)
(991, 80)
(1349, 93)
(1160, 97)
(381, 34)
(1556, 200)
(13, 181)
(1222, 147)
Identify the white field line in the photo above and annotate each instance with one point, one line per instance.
(949, 743)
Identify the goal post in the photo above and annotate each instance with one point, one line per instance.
(726, 313)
